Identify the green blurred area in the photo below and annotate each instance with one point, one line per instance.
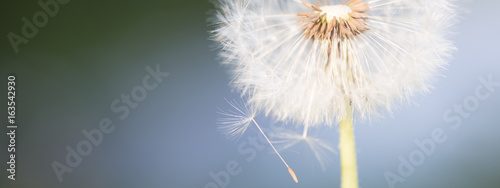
(85, 57)
(100, 27)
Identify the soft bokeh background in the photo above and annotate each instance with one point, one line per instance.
(92, 52)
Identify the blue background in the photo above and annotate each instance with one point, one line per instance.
(92, 52)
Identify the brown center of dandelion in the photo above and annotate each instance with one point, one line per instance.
(329, 22)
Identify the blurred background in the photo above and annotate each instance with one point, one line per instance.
(76, 71)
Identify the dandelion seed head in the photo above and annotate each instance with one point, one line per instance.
(306, 61)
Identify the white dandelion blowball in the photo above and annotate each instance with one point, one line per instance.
(310, 62)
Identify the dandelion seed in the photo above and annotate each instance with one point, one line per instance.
(320, 149)
(237, 121)
(315, 62)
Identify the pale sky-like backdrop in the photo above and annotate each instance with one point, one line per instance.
(146, 76)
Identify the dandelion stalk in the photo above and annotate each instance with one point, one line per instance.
(348, 152)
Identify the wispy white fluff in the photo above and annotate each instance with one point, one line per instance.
(283, 73)
(236, 120)
(240, 116)
(319, 148)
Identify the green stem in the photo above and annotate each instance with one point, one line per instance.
(348, 153)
